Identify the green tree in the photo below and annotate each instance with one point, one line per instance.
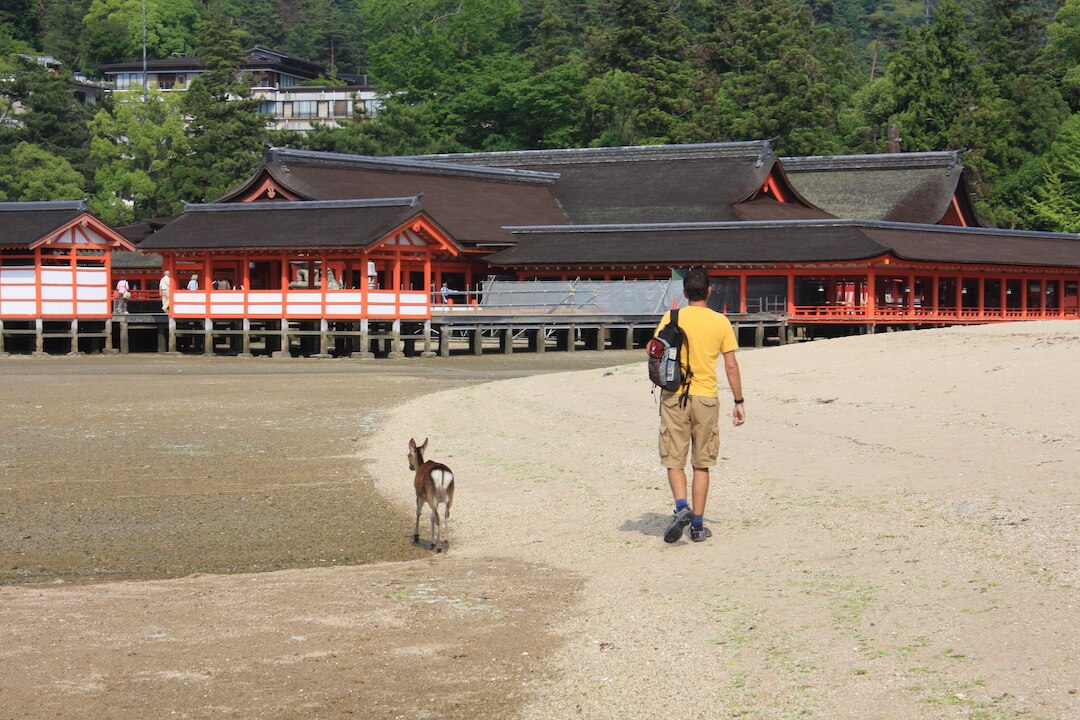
(225, 130)
(787, 77)
(19, 18)
(944, 99)
(1055, 202)
(639, 53)
(551, 40)
(50, 117)
(63, 31)
(401, 128)
(30, 173)
(1064, 50)
(328, 33)
(133, 147)
(114, 28)
(257, 22)
(422, 48)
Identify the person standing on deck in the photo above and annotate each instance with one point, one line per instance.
(165, 289)
(695, 421)
(123, 292)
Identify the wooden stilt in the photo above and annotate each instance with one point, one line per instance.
(427, 352)
(245, 339)
(283, 340)
(39, 337)
(444, 341)
(396, 346)
(364, 352)
(324, 339)
(172, 336)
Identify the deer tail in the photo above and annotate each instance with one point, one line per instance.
(442, 476)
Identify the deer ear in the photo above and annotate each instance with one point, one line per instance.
(424, 446)
(412, 444)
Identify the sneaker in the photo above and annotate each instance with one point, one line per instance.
(678, 524)
(700, 535)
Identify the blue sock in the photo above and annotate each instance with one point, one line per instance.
(697, 522)
(680, 504)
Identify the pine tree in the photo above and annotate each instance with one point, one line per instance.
(63, 31)
(551, 40)
(50, 117)
(225, 129)
(786, 78)
(1055, 203)
(1064, 50)
(641, 75)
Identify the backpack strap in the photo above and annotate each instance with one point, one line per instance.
(685, 340)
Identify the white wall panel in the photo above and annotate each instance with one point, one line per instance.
(17, 276)
(57, 292)
(8, 307)
(92, 292)
(56, 276)
(19, 292)
(91, 276)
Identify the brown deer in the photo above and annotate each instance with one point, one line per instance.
(434, 484)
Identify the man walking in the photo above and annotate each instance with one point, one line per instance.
(694, 421)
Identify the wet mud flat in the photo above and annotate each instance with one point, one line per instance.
(134, 468)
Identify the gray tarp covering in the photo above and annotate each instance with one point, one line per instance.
(628, 297)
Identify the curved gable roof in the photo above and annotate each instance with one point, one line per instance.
(25, 224)
(895, 187)
(642, 184)
(329, 224)
(473, 204)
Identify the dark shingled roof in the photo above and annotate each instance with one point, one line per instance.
(472, 204)
(138, 231)
(24, 223)
(642, 184)
(331, 224)
(780, 242)
(125, 260)
(980, 245)
(899, 187)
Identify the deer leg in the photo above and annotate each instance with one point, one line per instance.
(446, 516)
(416, 530)
(434, 527)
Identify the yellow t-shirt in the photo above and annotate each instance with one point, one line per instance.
(708, 334)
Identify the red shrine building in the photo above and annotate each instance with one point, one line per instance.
(55, 276)
(336, 254)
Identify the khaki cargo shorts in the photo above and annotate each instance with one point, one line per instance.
(697, 424)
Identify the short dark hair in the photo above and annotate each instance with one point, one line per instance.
(695, 284)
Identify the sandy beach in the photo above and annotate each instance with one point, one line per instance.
(895, 536)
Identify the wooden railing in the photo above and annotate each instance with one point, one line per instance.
(919, 314)
(301, 304)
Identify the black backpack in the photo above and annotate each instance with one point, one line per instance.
(666, 368)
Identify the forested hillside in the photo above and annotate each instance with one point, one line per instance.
(998, 79)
